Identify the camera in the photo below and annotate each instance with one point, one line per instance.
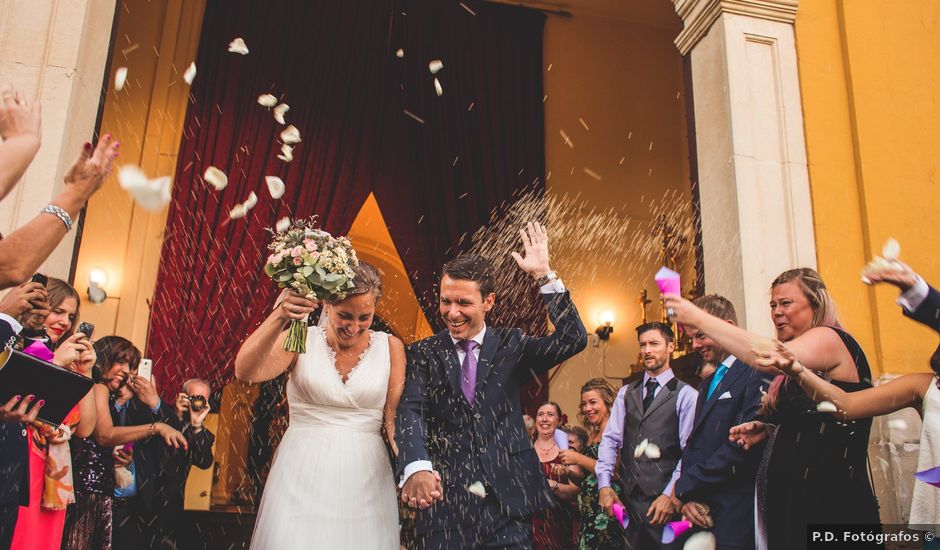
(197, 402)
(40, 278)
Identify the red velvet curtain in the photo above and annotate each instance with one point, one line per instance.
(334, 63)
(328, 61)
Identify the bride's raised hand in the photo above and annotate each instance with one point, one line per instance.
(291, 306)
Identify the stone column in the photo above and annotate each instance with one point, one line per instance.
(54, 51)
(756, 212)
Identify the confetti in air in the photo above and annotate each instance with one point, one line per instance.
(120, 77)
(826, 407)
(251, 201)
(290, 135)
(150, 194)
(238, 46)
(287, 153)
(275, 186)
(190, 74)
(567, 139)
(216, 178)
(592, 173)
(438, 88)
(435, 66)
(641, 448)
(267, 100)
(399, 53)
(703, 540)
(282, 224)
(477, 488)
(279, 112)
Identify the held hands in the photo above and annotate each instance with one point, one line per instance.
(28, 297)
(608, 498)
(749, 434)
(422, 489)
(535, 241)
(90, 168)
(661, 510)
(17, 117)
(21, 410)
(294, 307)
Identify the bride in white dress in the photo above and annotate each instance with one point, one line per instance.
(331, 484)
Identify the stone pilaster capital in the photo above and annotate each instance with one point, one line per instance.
(698, 16)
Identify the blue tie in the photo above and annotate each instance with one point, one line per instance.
(719, 374)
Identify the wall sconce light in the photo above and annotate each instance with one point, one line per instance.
(97, 278)
(606, 318)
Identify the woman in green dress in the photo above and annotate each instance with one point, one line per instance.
(598, 531)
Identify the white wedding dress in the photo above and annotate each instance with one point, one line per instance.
(331, 484)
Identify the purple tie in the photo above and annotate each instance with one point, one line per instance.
(468, 370)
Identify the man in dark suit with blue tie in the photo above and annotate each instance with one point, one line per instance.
(716, 486)
(460, 414)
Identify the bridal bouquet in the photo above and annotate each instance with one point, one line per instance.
(312, 263)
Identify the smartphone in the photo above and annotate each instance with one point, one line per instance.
(41, 279)
(87, 329)
(145, 368)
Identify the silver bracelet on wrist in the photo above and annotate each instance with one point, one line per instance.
(59, 213)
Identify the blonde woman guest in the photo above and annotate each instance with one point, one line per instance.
(813, 467)
(598, 530)
(920, 391)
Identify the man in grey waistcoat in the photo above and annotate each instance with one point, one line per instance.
(651, 420)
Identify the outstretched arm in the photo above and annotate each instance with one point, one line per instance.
(262, 356)
(21, 130)
(906, 391)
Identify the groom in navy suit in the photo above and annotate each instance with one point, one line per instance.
(465, 458)
(717, 481)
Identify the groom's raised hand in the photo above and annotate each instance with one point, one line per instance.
(535, 242)
(422, 489)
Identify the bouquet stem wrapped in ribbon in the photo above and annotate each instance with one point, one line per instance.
(312, 263)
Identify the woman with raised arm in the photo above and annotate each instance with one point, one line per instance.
(331, 468)
(920, 391)
(814, 467)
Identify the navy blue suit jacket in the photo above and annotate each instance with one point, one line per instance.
(13, 447)
(714, 470)
(488, 442)
(928, 312)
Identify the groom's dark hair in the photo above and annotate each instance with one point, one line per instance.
(472, 267)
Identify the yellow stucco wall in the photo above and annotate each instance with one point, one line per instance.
(869, 79)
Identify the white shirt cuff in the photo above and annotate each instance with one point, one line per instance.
(12, 322)
(554, 287)
(415, 467)
(913, 297)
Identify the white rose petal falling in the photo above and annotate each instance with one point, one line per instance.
(826, 407)
(275, 186)
(641, 448)
(476, 488)
(290, 135)
(438, 88)
(279, 112)
(239, 211)
(238, 46)
(216, 178)
(400, 53)
(435, 65)
(120, 77)
(190, 74)
(150, 194)
(282, 224)
(267, 100)
(287, 153)
(251, 201)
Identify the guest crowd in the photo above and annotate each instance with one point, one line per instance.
(745, 453)
(113, 473)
